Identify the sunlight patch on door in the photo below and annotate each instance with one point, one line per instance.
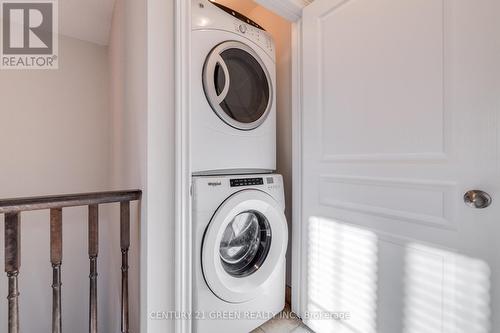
(342, 278)
(445, 292)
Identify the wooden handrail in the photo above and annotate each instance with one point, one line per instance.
(12, 208)
(68, 200)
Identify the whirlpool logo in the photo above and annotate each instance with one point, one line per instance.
(214, 184)
(29, 34)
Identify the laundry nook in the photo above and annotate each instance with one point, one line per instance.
(250, 166)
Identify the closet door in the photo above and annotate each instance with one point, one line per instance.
(401, 166)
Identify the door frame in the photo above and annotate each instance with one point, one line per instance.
(298, 278)
(183, 226)
(183, 170)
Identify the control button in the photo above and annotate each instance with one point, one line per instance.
(243, 28)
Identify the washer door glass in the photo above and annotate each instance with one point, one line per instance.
(245, 244)
(237, 85)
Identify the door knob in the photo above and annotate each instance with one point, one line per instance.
(477, 199)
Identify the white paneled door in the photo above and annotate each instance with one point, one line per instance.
(401, 106)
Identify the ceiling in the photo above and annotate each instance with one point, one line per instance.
(288, 9)
(88, 20)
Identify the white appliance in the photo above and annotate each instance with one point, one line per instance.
(240, 240)
(233, 98)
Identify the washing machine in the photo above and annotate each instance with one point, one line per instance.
(240, 240)
(233, 93)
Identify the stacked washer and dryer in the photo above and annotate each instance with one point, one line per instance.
(240, 230)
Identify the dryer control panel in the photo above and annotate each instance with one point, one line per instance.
(259, 36)
(207, 15)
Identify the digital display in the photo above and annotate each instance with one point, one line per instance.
(246, 182)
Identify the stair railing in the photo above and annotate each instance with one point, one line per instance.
(12, 208)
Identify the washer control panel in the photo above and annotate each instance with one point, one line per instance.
(246, 182)
(212, 190)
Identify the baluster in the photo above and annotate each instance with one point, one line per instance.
(12, 264)
(56, 260)
(93, 252)
(125, 245)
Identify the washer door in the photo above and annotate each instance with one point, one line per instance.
(243, 245)
(237, 85)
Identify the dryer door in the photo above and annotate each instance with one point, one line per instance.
(237, 85)
(244, 245)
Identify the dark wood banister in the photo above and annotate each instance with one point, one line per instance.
(12, 208)
(67, 200)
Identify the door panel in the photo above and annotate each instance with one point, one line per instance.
(237, 85)
(400, 119)
(355, 37)
(237, 284)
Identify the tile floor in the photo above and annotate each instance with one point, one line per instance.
(285, 322)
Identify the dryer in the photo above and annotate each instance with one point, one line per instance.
(240, 241)
(233, 94)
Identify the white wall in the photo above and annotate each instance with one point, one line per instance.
(281, 31)
(127, 150)
(142, 104)
(54, 139)
(104, 120)
(128, 121)
(160, 261)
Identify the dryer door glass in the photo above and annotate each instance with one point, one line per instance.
(245, 244)
(237, 85)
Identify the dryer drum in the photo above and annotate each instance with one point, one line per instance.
(245, 244)
(237, 85)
